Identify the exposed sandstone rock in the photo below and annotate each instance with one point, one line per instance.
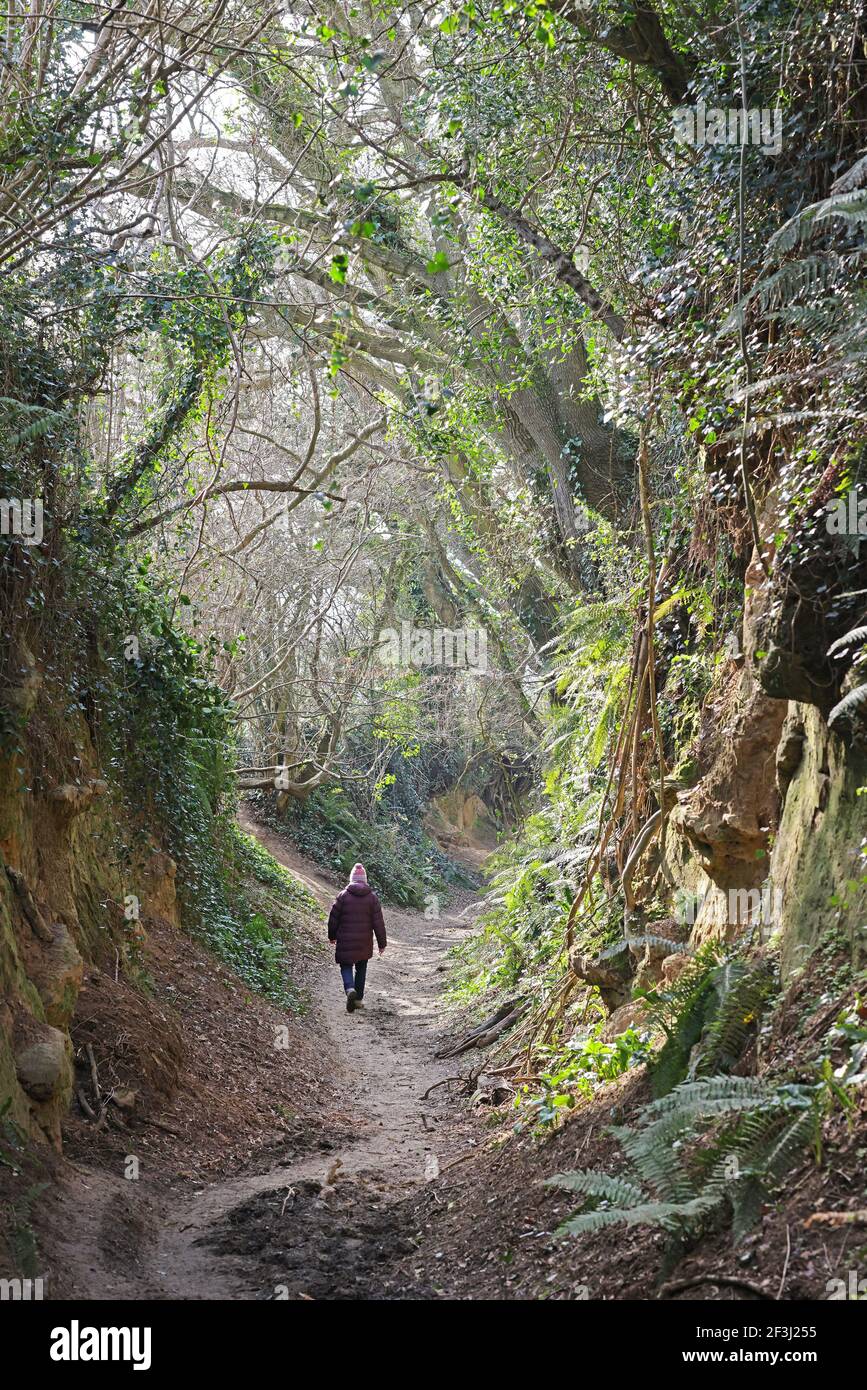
(21, 695)
(817, 864)
(790, 750)
(652, 956)
(71, 798)
(462, 818)
(154, 883)
(630, 1015)
(673, 966)
(42, 1062)
(30, 909)
(610, 973)
(728, 817)
(57, 973)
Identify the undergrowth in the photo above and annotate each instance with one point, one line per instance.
(713, 1148)
(576, 1073)
(403, 864)
(253, 928)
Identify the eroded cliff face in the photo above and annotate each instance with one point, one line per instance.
(459, 819)
(768, 845)
(71, 893)
(771, 840)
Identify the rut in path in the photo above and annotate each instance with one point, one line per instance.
(387, 1139)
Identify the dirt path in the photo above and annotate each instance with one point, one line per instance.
(386, 1139)
(383, 1059)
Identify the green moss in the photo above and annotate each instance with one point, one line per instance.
(827, 868)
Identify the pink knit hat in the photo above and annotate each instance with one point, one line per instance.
(359, 874)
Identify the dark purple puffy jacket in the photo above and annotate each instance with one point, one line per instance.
(355, 916)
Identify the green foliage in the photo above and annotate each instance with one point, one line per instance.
(532, 878)
(534, 875)
(839, 1078)
(712, 1146)
(251, 931)
(403, 864)
(707, 1016)
(579, 1070)
(117, 663)
(253, 860)
(721, 1145)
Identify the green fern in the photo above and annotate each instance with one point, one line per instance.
(708, 1017)
(857, 637)
(849, 704)
(741, 992)
(590, 1184)
(713, 1145)
(851, 207)
(855, 698)
(681, 1012)
(663, 943)
(810, 292)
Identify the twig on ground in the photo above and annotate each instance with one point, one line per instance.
(786, 1262)
(85, 1104)
(444, 1082)
(94, 1074)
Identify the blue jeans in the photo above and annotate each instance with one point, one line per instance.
(357, 983)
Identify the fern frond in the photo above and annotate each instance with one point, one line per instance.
(600, 1185)
(747, 1198)
(674, 1217)
(682, 1017)
(664, 942)
(808, 276)
(849, 704)
(741, 993)
(857, 635)
(852, 207)
(714, 1095)
(768, 1128)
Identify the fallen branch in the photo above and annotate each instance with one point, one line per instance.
(462, 1158)
(157, 1124)
(490, 1030)
(29, 909)
(444, 1082)
(94, 1075)
(722, 1281)
(837, 1218)
(85, 1104)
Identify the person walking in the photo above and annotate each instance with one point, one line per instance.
(355, 918)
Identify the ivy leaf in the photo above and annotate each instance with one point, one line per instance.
(339, 268)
